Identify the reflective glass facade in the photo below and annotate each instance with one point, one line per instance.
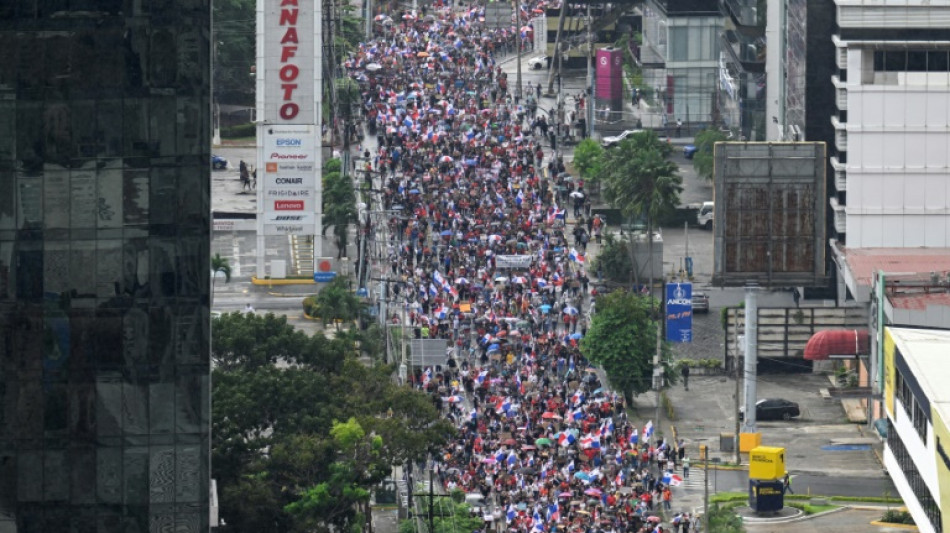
(104, 265)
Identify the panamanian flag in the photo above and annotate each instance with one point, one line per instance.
(577, 256)
(566, 439)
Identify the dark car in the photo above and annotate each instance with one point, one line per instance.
(218, 162)
(689, 151)
(773, 409)
(700, 302)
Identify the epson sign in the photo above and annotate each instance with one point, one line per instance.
(289, 142)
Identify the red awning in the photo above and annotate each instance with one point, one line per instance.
(841, 342)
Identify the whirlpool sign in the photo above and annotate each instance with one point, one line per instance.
(679, 312)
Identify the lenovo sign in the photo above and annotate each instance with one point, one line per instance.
(285, 205)
(289, 64)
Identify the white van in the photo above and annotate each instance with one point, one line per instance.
(705, 216)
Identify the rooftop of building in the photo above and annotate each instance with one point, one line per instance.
(926, 353)
(919, 301)
(864, 262)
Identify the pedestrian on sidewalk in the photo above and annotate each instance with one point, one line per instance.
(787, 484)
(679, 127)
(684, 371)
(686, 467)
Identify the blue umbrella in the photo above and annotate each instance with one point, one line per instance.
(413, 191)
(446, 233)
(582, 475)
(545, 308)
(576, 336)
(493, 348)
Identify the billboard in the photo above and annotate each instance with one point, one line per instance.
(289, 60)
(289, 181)
(770, 214)
(679, 312)
(609, 74)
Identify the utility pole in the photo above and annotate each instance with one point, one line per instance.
(520, 43)
(706, 491)
(735, 363)
(590, 76)
(557, 52)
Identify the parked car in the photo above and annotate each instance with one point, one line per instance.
(538, 63)
(218, 162)
(613, 140)
(700, 302)
(705, 215)
(689, 151)
(773, 409)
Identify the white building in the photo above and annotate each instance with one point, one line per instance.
(917, 401)
(892, 166)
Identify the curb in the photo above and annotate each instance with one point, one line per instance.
(907, 527)
(270, 282)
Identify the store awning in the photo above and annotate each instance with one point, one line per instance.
(837, 343)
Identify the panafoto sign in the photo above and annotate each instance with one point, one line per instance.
(289, 47)
(289, 180)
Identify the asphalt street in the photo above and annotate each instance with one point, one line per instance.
(702, 414)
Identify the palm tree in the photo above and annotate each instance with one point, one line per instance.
(640, 180)
(219, 264)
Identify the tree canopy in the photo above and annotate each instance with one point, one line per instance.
(622, 339)
(588, 157)
(302, 430)
(703, 158)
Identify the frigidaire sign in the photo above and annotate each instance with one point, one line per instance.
(289, 61)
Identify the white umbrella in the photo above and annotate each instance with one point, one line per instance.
(577, 194)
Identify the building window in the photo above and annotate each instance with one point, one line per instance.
(915, 413)
(911, 61)
(912, 475)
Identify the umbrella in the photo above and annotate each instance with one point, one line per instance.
(577, 194)
(576, 336)
(549, 415)
(528, 447)
(593, 492)
(501, 279)
(493, 348)
(652, 519)
(373, 67)
(446, 159)
(413, 191)
(461, 281)
(509, 442)
(545, 308)
(380, 18)
(446, 233)
(543, 441)
(565, 495)
(520, 280)
(489, 460)
(528, 471)
(570, 310)
(581, 511)
(582, 476)
(453, 399)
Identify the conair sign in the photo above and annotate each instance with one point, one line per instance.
(289, 61)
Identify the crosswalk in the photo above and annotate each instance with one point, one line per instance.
(696, 479)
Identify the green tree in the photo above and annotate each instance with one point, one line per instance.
(234, 52)
(339, 208)
(641, 180)
(723, 520)
(219, 264)
(588, 155)
(338, 500)
(615, 260)
(274, 439)
(703, 158)
(621, 339)
(338, 303)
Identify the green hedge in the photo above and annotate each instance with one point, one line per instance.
(239, 131)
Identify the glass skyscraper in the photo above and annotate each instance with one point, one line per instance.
(104, 265)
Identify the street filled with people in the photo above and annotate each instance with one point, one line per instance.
(487, 239)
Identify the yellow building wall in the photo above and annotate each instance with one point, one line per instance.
(890, 372)
(942, 438)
